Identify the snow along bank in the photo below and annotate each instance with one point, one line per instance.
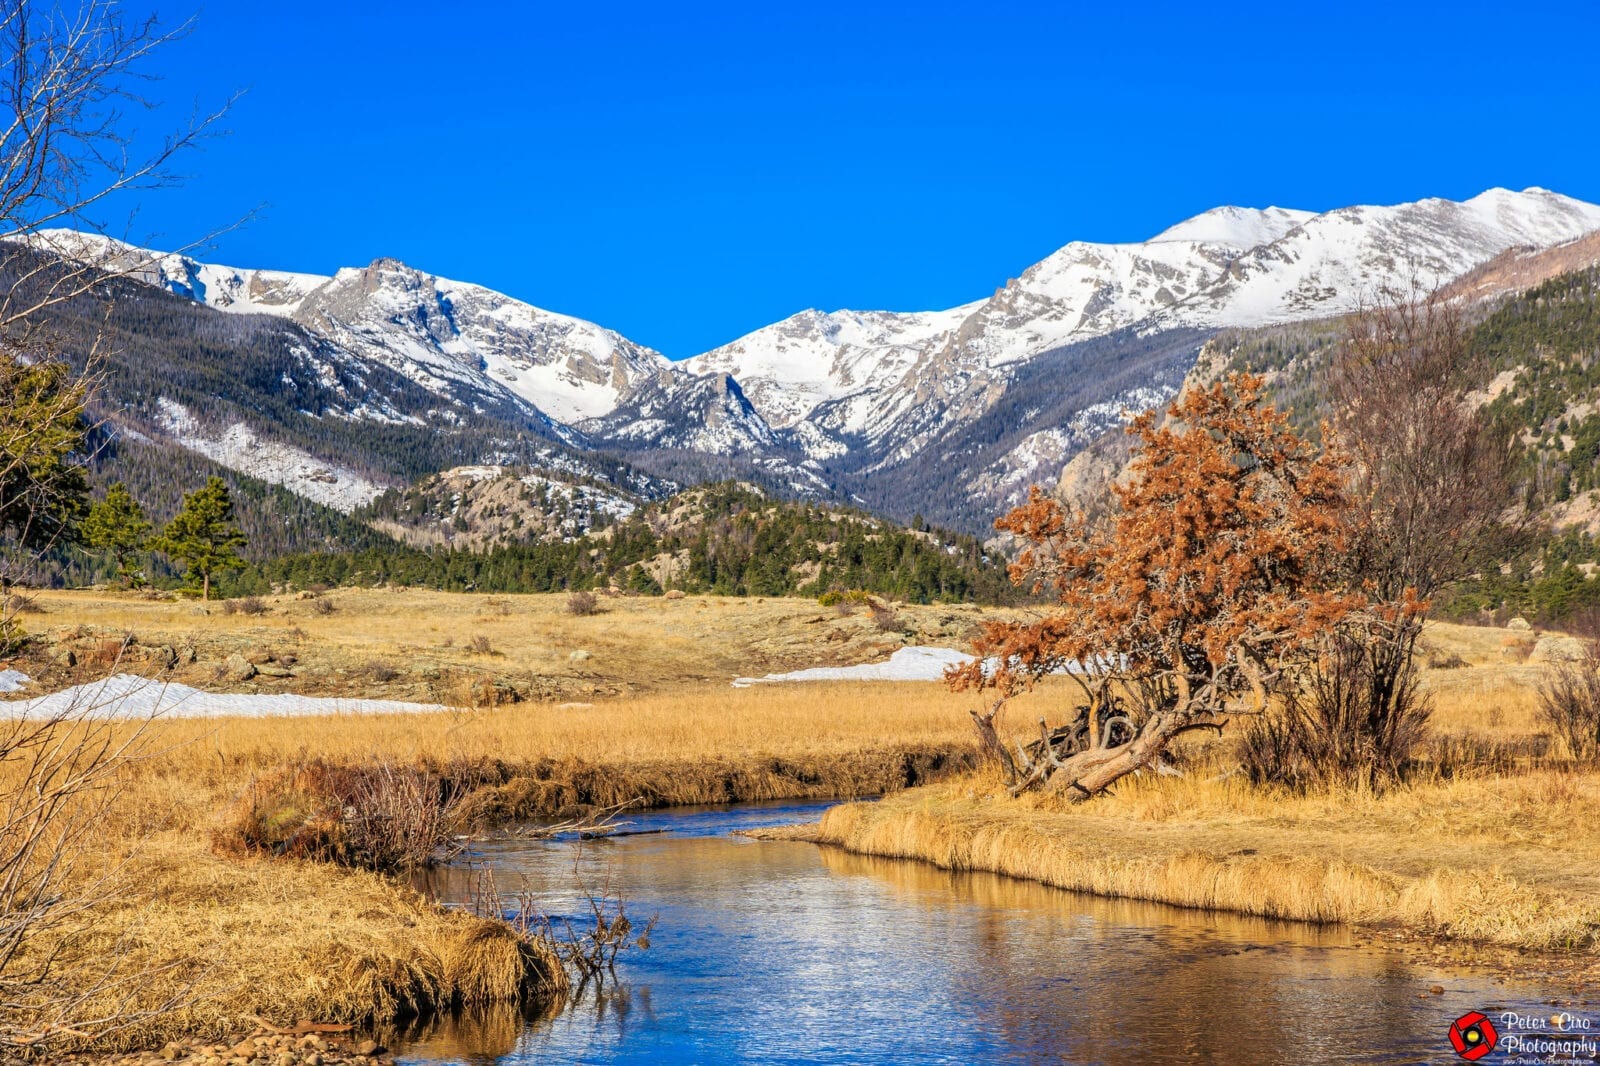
(917, 663)
(128, 696)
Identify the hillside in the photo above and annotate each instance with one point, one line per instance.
(1539, 374)
(341, 387)
(724, 538)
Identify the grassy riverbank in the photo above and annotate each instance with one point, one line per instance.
(1495, 845)
(1507, 861)
(1494, 841)
(187, 944)
(226, 937)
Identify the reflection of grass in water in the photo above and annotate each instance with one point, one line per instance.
(933, 887)
(481, 1034)
(1432, 857)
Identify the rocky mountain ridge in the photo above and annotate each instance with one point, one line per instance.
(950, 413)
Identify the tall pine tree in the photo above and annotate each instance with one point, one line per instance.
(203, 537)
(117, 524)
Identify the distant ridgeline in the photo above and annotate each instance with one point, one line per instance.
(1541, 376)
(725, 539)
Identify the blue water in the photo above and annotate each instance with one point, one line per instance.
(786, 952)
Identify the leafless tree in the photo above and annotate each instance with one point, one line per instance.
(73, 73)
(1431, 498)
(1432, 476)
(62, 777)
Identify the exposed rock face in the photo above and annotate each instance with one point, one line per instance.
(953, 413)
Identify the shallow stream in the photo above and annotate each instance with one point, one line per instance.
(786, 952)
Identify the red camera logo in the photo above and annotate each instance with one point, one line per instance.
(1473, 1036)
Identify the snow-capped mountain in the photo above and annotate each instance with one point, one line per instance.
(871, 393)
(453, 338)
(1240, 227)
(952, 413)
(1226, 267)
(451, 334)
(790, 367)
(1329, 263)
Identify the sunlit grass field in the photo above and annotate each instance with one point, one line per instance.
(1494, 840)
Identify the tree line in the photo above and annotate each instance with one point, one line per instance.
(722, 539)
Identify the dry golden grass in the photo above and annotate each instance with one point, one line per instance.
(1503, 854)
(227, 941)
(702, 722)
(696, 746)
(1508, 862)
(433, 642)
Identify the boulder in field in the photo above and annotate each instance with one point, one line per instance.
(1554, 649)
(237, 668)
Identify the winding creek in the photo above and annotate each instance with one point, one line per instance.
(786, 952)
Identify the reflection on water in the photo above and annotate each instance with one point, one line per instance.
(784, 952)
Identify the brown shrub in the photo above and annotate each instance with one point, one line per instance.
(1360, 715)
(375, 816)
(380, 672)
(248, 605)
(19, 602)
(582, 604)
(1569, 700)
(885, 617)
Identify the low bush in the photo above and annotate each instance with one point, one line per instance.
(375, 816)
(885, 617)
(1569, 700)
(379, 671)
(1358, 717)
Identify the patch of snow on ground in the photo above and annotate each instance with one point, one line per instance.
(917, 663)
(128, 696)
(12, 680)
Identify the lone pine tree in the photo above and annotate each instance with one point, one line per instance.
(1206, 588)
(203, 537)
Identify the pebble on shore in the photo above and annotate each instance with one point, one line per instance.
(261, 1048)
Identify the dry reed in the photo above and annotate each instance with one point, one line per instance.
(1433, 859)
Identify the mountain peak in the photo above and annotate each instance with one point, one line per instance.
(1241, 227)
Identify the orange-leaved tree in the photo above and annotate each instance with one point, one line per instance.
(1202, 590)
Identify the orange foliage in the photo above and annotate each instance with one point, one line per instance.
(1214, 570)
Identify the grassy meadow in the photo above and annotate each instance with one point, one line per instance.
(647, 712)
(1493, 842)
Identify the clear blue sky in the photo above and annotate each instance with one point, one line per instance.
(684, 175)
